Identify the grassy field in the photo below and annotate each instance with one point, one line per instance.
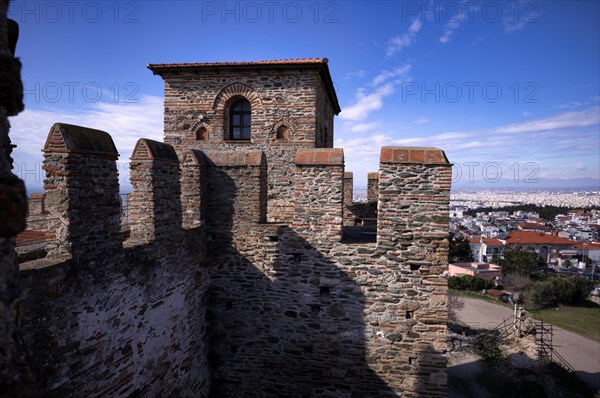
(583, 319)
(478, 296)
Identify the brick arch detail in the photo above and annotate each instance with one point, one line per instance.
(236, 90)
(282, 122)
(197, 126)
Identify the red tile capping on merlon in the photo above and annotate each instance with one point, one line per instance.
(233, 159)
(320, 157)
(69, 138)
(146, 149)
(407, 154)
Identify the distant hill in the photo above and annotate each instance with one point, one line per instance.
(582, 183)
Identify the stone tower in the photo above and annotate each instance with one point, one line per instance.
(289, 104)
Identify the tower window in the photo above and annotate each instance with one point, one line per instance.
(239, 120)
(202, 134)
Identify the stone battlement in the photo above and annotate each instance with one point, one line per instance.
(234, 271)
(203, 216)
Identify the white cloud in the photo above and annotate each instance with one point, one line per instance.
(589, 117)
(385, 75)
(364, 127)
(569, 105)
(451, 26)
(356, 74)
(421, 120)
(369, 101)
(520, 13)
(125, 122)
(397, 43)
(366, 103)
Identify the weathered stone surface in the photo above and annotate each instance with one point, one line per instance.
(300, 98)
(15, 376)
(206, 297)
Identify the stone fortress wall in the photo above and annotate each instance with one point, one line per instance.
(233, 275)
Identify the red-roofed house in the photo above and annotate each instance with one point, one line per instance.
(551, 248)
(532, 226)
(483, 249)
(590, 250)
(482, 270)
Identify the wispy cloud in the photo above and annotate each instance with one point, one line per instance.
(365, 127)
(520, 13)
(421, 120)
(569, 105)
(355, 74)
(366, 103)
(385, 75)
(589, 117)
(451, 26)
(397, 43)
(125, 122)
(371, 99)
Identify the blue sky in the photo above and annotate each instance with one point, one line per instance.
(509, 89)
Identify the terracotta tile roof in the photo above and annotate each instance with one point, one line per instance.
(318, 63)
(487, 241)
(533, 225)
(294, 61)
(536, 238)
(587, 245)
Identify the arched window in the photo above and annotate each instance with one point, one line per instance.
(202, 134)
(239, 120)
(282, 133)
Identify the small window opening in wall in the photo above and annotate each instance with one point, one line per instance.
(272, 238)
(415, 267)
(202, 134)
(228, 305)
(297, 258)
(410, 314)
(324, 293)
(308, 349)
(282, 133)
(315, 308)
(412, 361)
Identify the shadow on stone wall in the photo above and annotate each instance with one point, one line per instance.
(285, 320)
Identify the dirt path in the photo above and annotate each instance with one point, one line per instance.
(583, 354)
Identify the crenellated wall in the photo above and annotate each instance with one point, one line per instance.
(154, 208)
(99, 319)
(348, 198)
(309, 315)
(205, 297)
(82, 192)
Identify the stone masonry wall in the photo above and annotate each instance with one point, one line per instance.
(310, 316)
(348, 196)
(82, 192)
(198, 102)
(108, 320)
(372, 187)
(15, 378)
(414, 194)
(155, 176)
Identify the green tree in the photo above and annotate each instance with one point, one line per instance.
(459, 250)
(561, 290)
(521, 262)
